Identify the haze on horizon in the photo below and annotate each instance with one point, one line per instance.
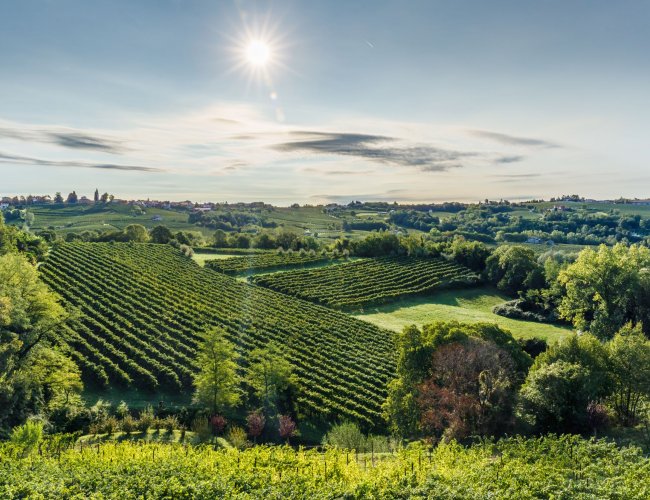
(325, 101)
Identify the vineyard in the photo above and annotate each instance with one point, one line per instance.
(547, 467)
(251, 263)
(369, 281)
(143, 307)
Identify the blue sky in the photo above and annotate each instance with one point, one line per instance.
(407, 101)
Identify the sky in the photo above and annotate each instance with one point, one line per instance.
(408, 101)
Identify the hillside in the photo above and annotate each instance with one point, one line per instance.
(369, 281)
(142, 308)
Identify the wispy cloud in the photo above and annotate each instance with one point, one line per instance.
(379, 148)
(516, 176)
(26, 160)
(65, 138)
(509, 159)
(512, 140)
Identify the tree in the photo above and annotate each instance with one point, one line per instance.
(270, 375)
(32, 373)
(58, 198)
(161, 234)
(137, 233)
(217, 383)
(563, 381)
(605, 289)
(72, 198)
(471, 390)
(513, 268)
(629, 356)
(264, 240)
(416, 350)
(472, 254)
(220, 239)
(104, 198)
(96, 196)
(255, 422)
(287, 427)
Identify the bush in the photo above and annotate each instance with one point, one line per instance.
(346, 435)
(122, 409)
(512, 309)
(128, 424)
(27, 436)
(146, 420)
(202, 428)
(107, 426)
(237, 437)
(170, 423)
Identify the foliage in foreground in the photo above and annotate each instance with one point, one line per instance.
(561, 467)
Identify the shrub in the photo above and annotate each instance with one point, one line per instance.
(255, 422)
(128, 424)
(27, 436)
(237, 437)
(122, 410)
(218, 423)
(146, 420)
(287, 427)
(346, 435)
(170, 423)
(108, 426)
(202, 428)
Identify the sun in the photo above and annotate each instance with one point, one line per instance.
(258, 53)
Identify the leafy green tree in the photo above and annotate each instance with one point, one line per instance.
(513, 268)
(96, 196)
(472, 254)
(136, 233)
(607, 288)
(217, 383)
(555, 397)
(270, 376)
(161, 234)
(32, 373)
(563, 381)
(220, 239)
(629, 356)
(58, 198)
(72, 198)
(265, 241)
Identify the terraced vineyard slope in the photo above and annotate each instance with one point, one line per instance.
(251, 263)
(368, 281)
(143, 306)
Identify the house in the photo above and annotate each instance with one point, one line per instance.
(534, 240)
(156, 218)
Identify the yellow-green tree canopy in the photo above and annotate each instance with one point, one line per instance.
(217, 383)
(606, 288)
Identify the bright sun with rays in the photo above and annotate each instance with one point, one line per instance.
(258, 53)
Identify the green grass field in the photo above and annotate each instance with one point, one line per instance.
(469, 305)
(200, 258)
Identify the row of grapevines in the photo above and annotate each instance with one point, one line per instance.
(547, 467)
(250, 263)
(369, 281)
(143, 308)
